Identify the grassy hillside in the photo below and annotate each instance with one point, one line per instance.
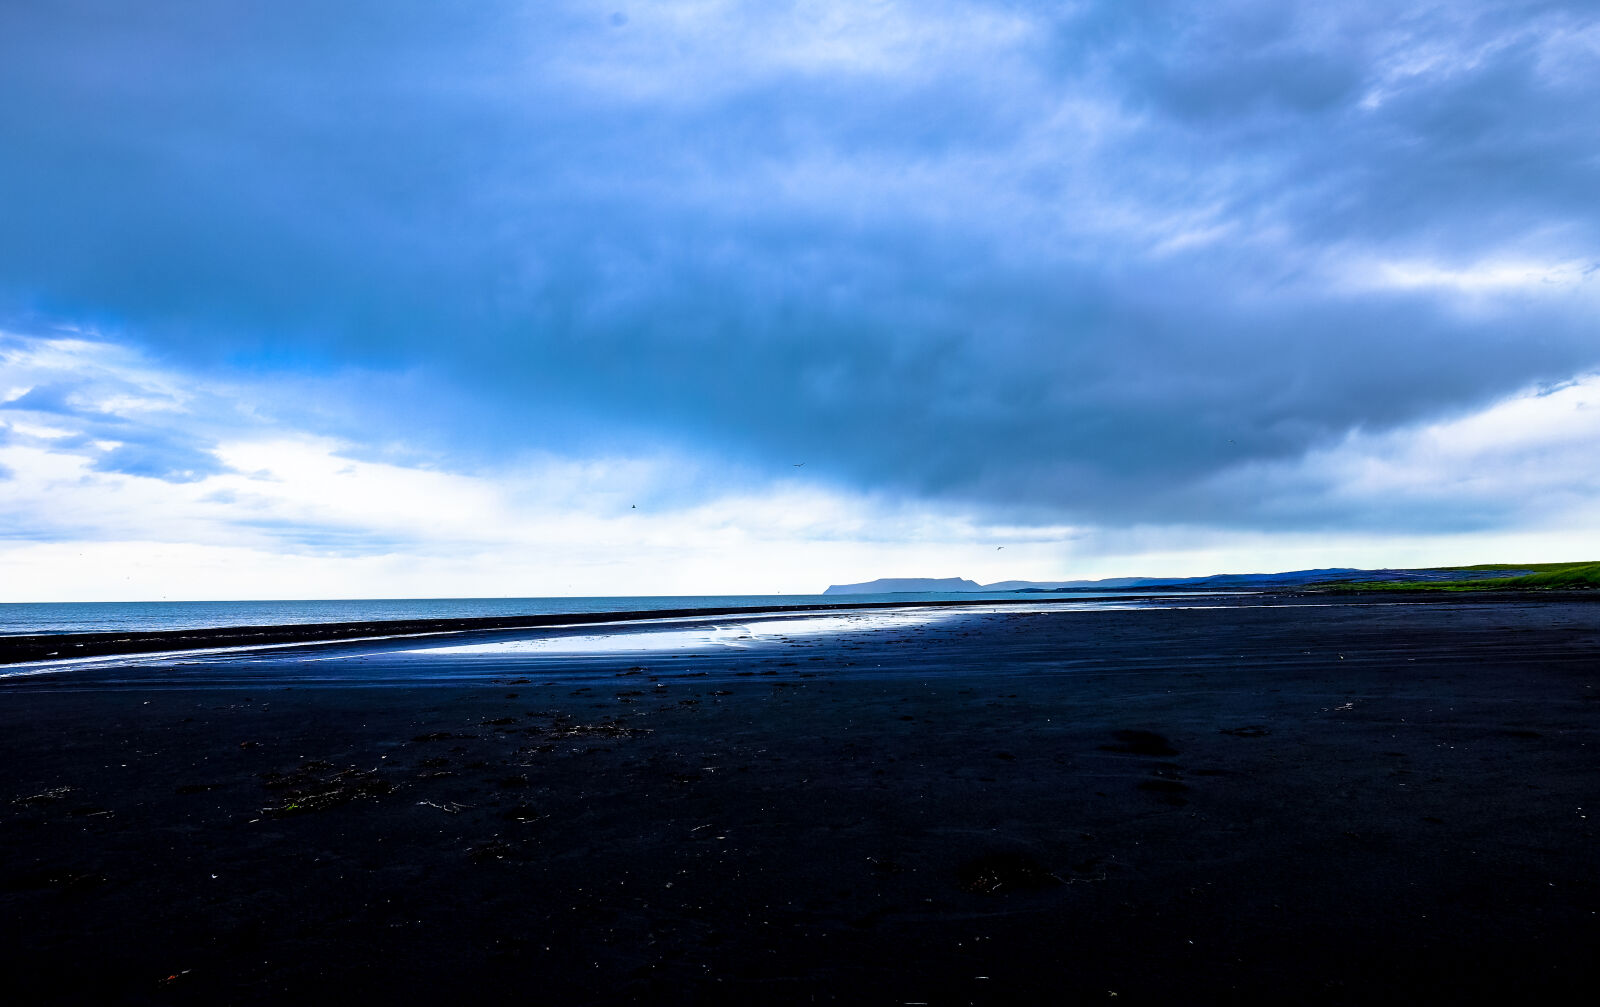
(1544, 577)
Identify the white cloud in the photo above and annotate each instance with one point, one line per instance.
(1487, 277)
(1529, 463)
(294, 514)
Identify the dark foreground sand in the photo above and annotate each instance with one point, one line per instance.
(1365, 802)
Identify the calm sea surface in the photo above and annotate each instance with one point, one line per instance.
(132, 616)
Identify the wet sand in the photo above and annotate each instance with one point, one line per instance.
(35, 647)
(1269, 800)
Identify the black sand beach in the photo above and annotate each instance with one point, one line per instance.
(1353, 800)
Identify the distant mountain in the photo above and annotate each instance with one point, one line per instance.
(898, 585)
(1289, 578)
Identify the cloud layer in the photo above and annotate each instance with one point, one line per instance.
(265, 509)
(1115, 264)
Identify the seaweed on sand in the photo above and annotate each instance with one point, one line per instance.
(317, 786)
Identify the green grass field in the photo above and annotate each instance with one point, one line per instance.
(1545, 577)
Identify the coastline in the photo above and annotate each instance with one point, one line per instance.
(68, 646)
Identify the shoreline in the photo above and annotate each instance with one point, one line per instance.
(42, 647)
(52, 648)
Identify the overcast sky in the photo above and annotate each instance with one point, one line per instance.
(302, 299)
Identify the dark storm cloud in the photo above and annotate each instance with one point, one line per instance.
(1061, 266)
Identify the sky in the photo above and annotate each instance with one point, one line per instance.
(399, 299)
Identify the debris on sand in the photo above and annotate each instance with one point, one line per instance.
(50, 796)
(441, 736)
(492, 849)
(522, 813)
(316, 786)
(60, 879)
(1003, 872)
(603, 729)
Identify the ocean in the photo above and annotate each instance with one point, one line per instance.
(27, 618)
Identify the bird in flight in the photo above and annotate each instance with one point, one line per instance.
(799, 465)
